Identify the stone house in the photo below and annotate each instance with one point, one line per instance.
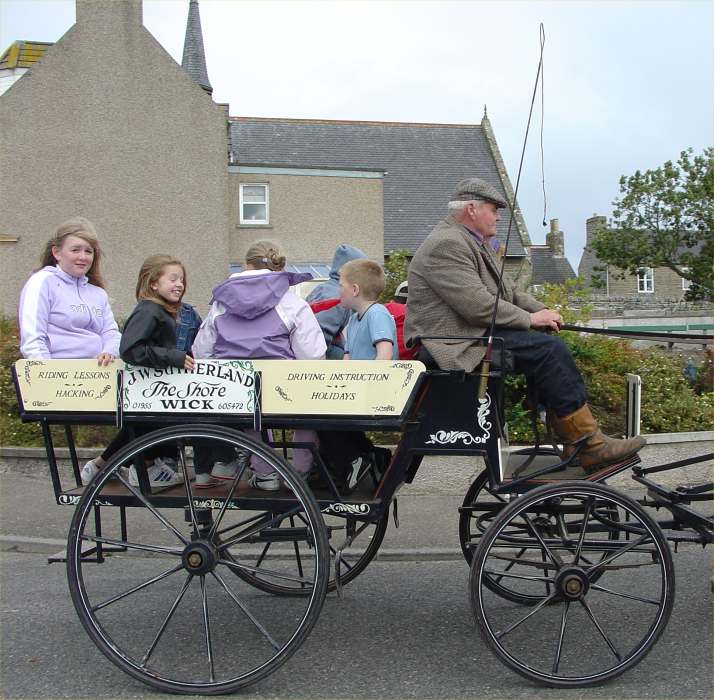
(105, 124)
(609, 282)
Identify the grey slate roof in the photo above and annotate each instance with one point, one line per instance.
(549, 268)
(194, 57)
(424, 162)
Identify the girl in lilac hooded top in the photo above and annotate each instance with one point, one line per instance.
(64, 310)
(254, 315)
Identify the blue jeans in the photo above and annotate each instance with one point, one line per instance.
(549, 367)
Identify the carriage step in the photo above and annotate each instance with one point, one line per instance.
(89, 553)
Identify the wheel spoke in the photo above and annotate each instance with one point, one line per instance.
(154, 579)
(232, 490)
(266, 572)
(189, 491)
(166, 621)
(584, 603)
(263, 554)
(498, 575)
(581, 539)
(551, 555)
(563, 623)
(247, 612)
(615, 555)
(511, 564)
(296, 547)
(207, 629)
(134, 490)
(547, 585)
(602, 589)
(241, 523)
(510, 628)
(133, 545)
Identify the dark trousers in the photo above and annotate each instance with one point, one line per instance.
(549, 367)
(206, 453)
(123, 438)
(338, 448)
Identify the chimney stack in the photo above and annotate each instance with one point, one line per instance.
(109, 13)
(593, 224)
(555, 239)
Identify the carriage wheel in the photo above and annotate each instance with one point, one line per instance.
(472, 524)
(166, 611)
(481, 505)
(365, 540)
(604, 600)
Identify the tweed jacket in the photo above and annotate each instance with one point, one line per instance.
(453, 281)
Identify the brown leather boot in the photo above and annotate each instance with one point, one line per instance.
(600, 450)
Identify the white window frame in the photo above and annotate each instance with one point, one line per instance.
(645, 280)
(254, 222)
(686, 284)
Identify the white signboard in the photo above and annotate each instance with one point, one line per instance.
(212, 387)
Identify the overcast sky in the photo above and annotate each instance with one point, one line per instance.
(628, 85)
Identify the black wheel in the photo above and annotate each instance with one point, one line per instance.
(164, 610)
(480, 507)
(355, 543)
(477, 512)
(604, 599)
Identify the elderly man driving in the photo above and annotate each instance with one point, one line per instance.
(453, 281)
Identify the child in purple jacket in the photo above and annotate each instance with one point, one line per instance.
(254, 315)
(64, 310)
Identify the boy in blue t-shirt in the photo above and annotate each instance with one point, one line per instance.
(371, 331)
(371, 335)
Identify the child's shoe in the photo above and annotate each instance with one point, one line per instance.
(205, 481)
(265, 482)
(160, 476)
(88, 471)
(228, 470)
(360, 467)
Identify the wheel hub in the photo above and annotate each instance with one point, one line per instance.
(572, 583)
(199, 557)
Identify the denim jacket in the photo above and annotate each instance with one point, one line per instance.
(187, 324)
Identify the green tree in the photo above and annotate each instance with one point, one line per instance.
(665, 218)
(395, 272)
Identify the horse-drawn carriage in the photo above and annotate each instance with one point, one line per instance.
(237, 576)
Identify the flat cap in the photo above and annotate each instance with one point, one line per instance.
(475, 188)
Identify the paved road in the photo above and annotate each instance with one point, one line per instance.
(401, 630)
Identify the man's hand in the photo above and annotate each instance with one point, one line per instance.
(545, 318)
(189, 363)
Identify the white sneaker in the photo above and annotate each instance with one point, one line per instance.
(160, 477)
(88, 471)
(168, 462)
(265, 482)
(360, 468)
(228, 470)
